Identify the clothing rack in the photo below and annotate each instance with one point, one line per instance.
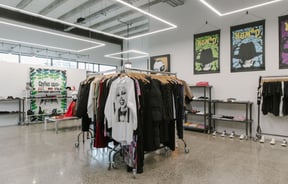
(149, 71)
(119, 72)
(186, 149)
(262, 79)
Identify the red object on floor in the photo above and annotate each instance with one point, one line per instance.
(71, 111)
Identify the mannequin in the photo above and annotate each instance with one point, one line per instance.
(71, 111)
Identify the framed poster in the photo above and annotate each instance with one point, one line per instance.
(160, 63)
(49, 86)
(283, 42)
(207, 52)
(248, 47)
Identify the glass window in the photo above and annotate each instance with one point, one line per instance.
(104, 68)
(96, 68)
(81, 65)
(11, 58)
(35, 60)
(64, 64)
(89, 66)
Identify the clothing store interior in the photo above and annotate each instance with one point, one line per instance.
(144, 91)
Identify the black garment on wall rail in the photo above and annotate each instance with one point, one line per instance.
(285, 99)
(271, 92)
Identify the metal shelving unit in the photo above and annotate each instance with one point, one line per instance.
(199, 120)
(246, 108)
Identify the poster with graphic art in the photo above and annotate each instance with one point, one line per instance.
(248, 47)
(207, 52)
(49, 91)
(160, 63)
(283, 42)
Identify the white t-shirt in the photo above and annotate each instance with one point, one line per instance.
(120, 110)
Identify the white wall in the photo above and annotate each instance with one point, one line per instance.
(13, 78)
(190, 19)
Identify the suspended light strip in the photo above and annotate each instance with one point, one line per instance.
(239, 10)
(172, 26)
(51, 33)
(146, 13)
(114, 55)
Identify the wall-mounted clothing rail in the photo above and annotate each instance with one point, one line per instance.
(276, 89)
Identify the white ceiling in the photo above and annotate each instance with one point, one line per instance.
(110, 16)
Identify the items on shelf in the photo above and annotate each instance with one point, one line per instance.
(246, 118)
(199, 106)
(202, 83)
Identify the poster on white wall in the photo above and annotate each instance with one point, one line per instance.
(49, 91)
(248, 47)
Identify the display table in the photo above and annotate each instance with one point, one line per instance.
(57, 120)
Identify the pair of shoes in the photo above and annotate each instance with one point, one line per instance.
(223, 133)
(232, 135)
(241, 137)
(214, 133)
(273, 142)
(284, 143)
(262, 140)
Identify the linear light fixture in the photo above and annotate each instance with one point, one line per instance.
(238, 10)
(171, 26)
(115, 55)
(97, 44)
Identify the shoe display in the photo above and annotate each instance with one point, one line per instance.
(214, 133)
(284, 143)
(223, 133)
(232, 135)
(241, 137)
(273, 142)
(262, 140)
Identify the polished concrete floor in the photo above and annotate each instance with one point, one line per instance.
(31, 155)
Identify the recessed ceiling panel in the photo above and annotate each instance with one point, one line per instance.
(9, 32)
(100, 16)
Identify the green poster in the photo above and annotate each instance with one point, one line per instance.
(207, 52)
(49, 91)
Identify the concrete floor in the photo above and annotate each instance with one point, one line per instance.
(31, 155)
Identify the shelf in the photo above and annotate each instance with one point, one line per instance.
(201, 100)
(197, 114)
(245, 107)
(202, 103)
(233, 120)
(232, 102)
(9, 112)
(194, 126)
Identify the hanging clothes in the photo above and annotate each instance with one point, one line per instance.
(120, 110)
(135, 109)
(285, 99)
(81, 105)
(271, 92)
